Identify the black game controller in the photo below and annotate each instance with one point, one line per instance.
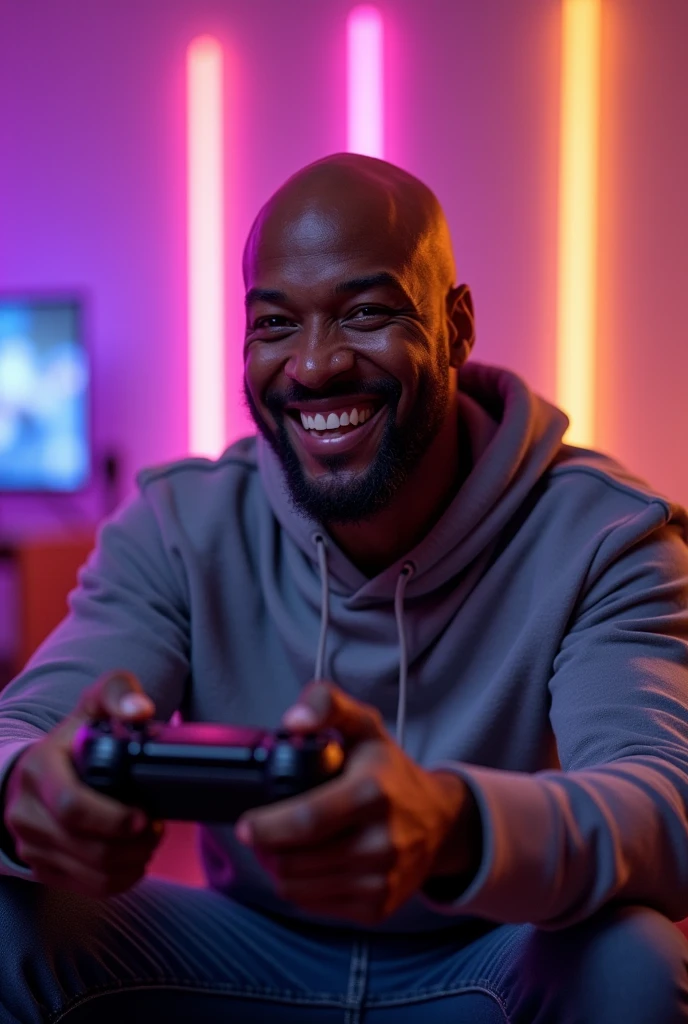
(199, 771)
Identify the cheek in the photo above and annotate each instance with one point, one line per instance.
(259, 370)
(411, 374)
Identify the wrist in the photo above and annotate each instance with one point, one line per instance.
(460, 850)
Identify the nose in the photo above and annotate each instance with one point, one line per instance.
(318, 358)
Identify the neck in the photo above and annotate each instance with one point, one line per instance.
(378, 542)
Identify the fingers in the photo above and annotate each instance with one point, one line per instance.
(322, 813)
(323, 705)
(331, 808)
(116, 695)
(65, 872)
(357, 879)
(74, 806)
(365, 851)
(32, 824)
(351, 878)
(46, 770)
(96, 865)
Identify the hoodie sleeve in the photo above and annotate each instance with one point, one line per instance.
(129, 611)
(611, 825)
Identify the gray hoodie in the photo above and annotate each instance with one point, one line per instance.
(538, 648)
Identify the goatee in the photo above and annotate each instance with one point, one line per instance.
(345, 496)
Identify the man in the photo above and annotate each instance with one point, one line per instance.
(504, 625)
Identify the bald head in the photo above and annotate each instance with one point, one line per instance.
(352, 313)
(355, 202)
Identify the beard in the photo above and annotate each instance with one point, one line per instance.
(343, 496)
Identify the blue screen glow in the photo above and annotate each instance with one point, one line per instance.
(44, 421)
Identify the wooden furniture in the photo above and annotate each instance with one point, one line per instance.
(45, 570)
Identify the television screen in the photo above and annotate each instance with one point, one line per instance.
(44, 396)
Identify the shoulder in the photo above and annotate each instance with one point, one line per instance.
(593, 474)
(196, 480)
(602, 505)
(202, 496)
(235, 462)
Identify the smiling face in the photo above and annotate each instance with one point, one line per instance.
(348, 364)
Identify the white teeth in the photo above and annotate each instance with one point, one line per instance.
(333, 421)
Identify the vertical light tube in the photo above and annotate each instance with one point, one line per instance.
(365, 88)
(206, 270)
(578, 200)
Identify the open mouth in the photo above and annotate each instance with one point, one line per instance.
(337, 421)
(337, 428)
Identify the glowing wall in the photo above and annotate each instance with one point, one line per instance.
(93, 184)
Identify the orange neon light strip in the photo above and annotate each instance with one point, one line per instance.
(578, 199)
(206, 271)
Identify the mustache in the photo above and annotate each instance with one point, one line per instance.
(383, 387)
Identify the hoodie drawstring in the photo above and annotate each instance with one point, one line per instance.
(405, 575)
(402, 581)
(324, 605)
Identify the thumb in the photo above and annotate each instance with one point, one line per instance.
(115, 695)
(323, 705)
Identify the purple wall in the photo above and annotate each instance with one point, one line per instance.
(92, 185)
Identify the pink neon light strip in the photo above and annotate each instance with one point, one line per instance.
(206, 273)
(365, 115)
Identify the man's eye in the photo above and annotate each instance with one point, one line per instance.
(370, 311)
(270, 321)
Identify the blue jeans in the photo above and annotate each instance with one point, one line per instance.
(168, 953)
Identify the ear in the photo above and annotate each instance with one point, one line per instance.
(461, 320)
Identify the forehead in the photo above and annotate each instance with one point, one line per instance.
(321, 245)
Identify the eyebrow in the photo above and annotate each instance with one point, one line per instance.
(357, 284)
(264, 295)
(363, 284)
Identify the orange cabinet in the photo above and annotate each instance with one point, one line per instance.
(45, 570)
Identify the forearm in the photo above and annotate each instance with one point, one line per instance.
(560, 845)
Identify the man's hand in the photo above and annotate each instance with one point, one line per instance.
(359, 846)
(69, 835)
